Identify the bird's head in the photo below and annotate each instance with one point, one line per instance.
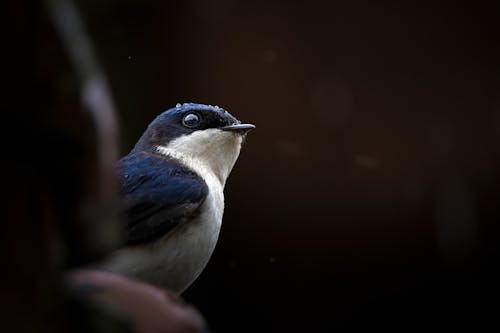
(198, 135)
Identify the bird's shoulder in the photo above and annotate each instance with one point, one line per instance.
(151, 175)
(159, 194)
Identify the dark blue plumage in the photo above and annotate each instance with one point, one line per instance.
(160, 194)
(168, 125)
(172, 186)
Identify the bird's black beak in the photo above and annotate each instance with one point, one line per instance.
(239, 128)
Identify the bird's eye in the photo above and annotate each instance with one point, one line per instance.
(191, 120)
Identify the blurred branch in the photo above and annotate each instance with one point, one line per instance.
(148, 308)
(95, 93)
(98, 231)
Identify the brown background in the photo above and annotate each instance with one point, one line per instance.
(367, 195)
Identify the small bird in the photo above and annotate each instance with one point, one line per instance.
(172, 186)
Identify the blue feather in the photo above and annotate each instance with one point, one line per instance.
(160, 195)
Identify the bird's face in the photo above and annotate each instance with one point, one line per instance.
(204, 135)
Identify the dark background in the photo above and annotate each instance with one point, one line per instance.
(367, 195)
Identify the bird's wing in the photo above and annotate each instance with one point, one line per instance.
(159, 195)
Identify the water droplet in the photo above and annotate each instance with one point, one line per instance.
(178, 105)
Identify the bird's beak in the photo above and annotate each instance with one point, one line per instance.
(239, 128)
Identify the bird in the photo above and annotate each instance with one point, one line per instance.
(172, 185)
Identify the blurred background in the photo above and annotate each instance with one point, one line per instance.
(368, 194)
